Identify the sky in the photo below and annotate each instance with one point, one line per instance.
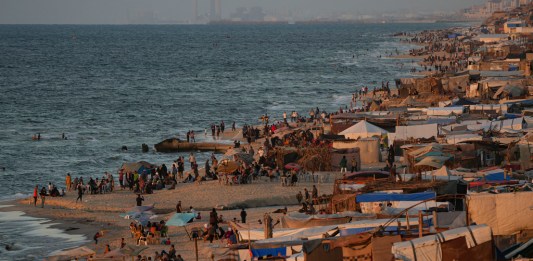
(124, 11)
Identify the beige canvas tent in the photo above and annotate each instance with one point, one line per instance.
(363, 129)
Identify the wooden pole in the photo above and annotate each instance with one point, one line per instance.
(407, 220)
(196, 247)
(420, 220)
(435, 220)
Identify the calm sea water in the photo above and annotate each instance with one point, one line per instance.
(109, 86)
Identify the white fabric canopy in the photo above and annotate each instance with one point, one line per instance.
(428, 248)
(363, 129)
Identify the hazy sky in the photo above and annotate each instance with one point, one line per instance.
(122, 11)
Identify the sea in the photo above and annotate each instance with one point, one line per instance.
(109, 86)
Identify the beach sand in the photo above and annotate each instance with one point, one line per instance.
(101, 212)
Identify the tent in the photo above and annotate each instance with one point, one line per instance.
(137, 166)
(512, 91)
(379, 197)
(505, 213)
(433, 161)
(442, 172)
(227, 166)
(363, 129)
(472, 241)
(70, 254)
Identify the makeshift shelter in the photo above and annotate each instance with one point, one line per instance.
(227, 166)
(138, 167)
(506, 213)
(381, 197)
(369, 145)
(300, 220)
(508, 91)
(363, 129)
(455, 244)
(424, 131)
(433, 161)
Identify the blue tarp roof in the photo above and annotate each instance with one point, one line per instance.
(377, 197)
(496, 177)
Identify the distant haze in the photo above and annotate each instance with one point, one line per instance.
(126, 11)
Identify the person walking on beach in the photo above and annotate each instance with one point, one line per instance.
(178, 207)
(343, 164)
(35, 195)
(243, 216)
(68, 181)
(43, 196)
(299, 197)
(306, 193)
(314, 194)
(139, 200)
(192, 160)
(80, 193)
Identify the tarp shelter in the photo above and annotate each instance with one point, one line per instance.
(363, 129)
(69, 254)
(380, 197)
(474, 241)
(180, 219)
(137, 166)
(433, 161)
(505, 213)
(508, 90)
(369, 145)
(227, 166)
(442, 172)
(444, 111)
(424, 131)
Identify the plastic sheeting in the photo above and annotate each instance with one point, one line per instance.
(375, 197)
(444, 111)
(363, 129)
(425, 131)
(506, 213)
(428, 248)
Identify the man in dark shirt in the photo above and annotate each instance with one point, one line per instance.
(139, 200)
(243, 216)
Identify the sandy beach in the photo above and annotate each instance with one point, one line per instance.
(101, 212)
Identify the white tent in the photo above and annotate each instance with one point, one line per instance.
(363, 129)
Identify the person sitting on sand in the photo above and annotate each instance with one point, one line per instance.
(107, 249)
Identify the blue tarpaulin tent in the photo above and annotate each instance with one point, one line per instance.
(180, 219)
(281, 251)
(496, 177)
(378, 197)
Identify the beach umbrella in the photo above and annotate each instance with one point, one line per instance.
(70, 254)
(227, 166)
(137, 166)
(293, 166)
(180, 219)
